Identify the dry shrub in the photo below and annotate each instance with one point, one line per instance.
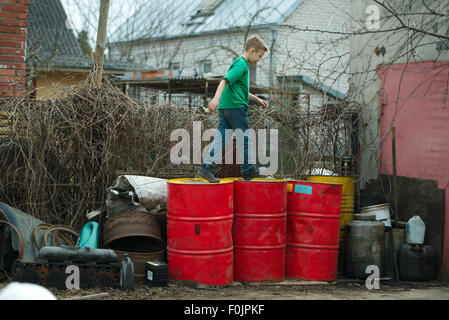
(58, 156)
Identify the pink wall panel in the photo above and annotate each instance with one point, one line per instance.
(415, 100)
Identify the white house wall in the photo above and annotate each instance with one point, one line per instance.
(295, 52)
(190, 51)
(322, 56)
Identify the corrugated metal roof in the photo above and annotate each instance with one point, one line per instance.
(174, 18)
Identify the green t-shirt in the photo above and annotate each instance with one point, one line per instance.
(236, 92)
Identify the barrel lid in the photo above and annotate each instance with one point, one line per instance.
(364, 216)
(196, 181)
(313, 182)
(261, 180)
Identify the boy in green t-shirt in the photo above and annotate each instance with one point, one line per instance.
(232, 98)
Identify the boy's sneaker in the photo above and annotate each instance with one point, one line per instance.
(206, 174)
(253, 173)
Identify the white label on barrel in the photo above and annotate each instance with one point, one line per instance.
(149, 275)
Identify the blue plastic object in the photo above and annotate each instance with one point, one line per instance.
(89, 235)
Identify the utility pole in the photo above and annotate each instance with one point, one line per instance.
(101, 41)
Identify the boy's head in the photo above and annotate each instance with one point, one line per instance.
(255, 48)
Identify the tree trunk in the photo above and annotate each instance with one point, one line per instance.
(101, 41)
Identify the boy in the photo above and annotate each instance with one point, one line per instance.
(231, 99)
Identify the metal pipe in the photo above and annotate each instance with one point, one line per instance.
(395, 177)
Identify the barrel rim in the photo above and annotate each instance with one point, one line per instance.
(327, 176)
(315, 182)
(171, 250)
(265, 247)
(262, 180)
(201, 218)
(274, 215)
(313, 246)
(118, 237)
(204, 182)
(314, 214)
(139, 254)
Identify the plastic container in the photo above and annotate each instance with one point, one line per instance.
(127, 274)
(365, 245)
(89, 235)
(156, 273)
(415, 230)
(417, 263)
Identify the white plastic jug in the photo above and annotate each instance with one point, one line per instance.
(415, 230)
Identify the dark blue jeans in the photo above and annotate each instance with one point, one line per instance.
(234, 119)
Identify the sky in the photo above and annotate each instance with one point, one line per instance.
(83, 14)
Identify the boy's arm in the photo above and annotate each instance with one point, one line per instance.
(259, 101)
(213, 104)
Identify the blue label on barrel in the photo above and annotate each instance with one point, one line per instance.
(299, 188)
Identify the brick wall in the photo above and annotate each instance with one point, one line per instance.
(13, 32)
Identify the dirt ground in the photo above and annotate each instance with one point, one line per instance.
(290, 289)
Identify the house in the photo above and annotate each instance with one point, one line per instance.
(200, 38)
(54, 56)
(399, 64)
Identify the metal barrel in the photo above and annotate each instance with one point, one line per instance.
(347, 209)
(313, 225)
(347, 198)
(259, 229)
(199, 222)
(137, 233)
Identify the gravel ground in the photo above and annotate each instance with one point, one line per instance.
(290, 289)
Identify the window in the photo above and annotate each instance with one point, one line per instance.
(174, 66)
(206, 66)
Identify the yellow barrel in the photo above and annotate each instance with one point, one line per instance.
(347, 200)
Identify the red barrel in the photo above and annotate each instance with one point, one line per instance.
(199, 222)
(313, 230)
(259, 229)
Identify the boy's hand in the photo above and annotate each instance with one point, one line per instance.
(213, 104)
(262, 103)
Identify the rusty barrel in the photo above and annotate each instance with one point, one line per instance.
(259, 229)
(313, 230)
(135, 232)
(199, 222)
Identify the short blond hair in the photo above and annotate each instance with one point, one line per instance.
(255, 42)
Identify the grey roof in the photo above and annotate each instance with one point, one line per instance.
(174, 18)
(51, 44)
(85, 62)
(316, 85)
(47, 32)
(322, 87)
